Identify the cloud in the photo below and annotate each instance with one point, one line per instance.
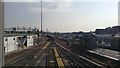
(18, 0)
(36, 0)
(51, 6)
(55, 6)
(60, 0)
(48, 10)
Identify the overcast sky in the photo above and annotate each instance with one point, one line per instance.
(62, 15)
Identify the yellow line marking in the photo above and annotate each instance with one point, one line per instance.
(38, 61)
(59, 60)
(46, 45)
(51, 61)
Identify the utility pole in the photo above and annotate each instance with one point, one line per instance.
(1, 33)
(46, 31)
(41, 22)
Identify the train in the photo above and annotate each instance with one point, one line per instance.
(50, 37)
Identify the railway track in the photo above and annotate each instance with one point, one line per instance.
(53, 55)
(79, 60)
(74, 60)
(24, 58)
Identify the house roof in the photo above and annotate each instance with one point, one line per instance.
(117, 35)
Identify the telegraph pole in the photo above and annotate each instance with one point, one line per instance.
(1, 33)
(41, 20)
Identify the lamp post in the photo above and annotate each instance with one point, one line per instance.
(1, 33)
(41, 21)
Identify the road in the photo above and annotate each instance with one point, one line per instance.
(51, 54)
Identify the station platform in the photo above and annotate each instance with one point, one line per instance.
(115, 55)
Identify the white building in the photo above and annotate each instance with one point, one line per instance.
(15, 42)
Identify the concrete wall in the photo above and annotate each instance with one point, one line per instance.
(1, 34)
(30, 40)
(13, 43)
(10, 44)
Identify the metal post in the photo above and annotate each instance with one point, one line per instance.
(119, 24)
(7, 44)
(14, 42)
(41, 21)
(1, 34)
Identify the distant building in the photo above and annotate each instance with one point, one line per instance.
(115, 44)
(20, 30)
(100, 31)
(10, 30)
(109, 30)
(90, 41)
(106, 38)
(87, 41)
